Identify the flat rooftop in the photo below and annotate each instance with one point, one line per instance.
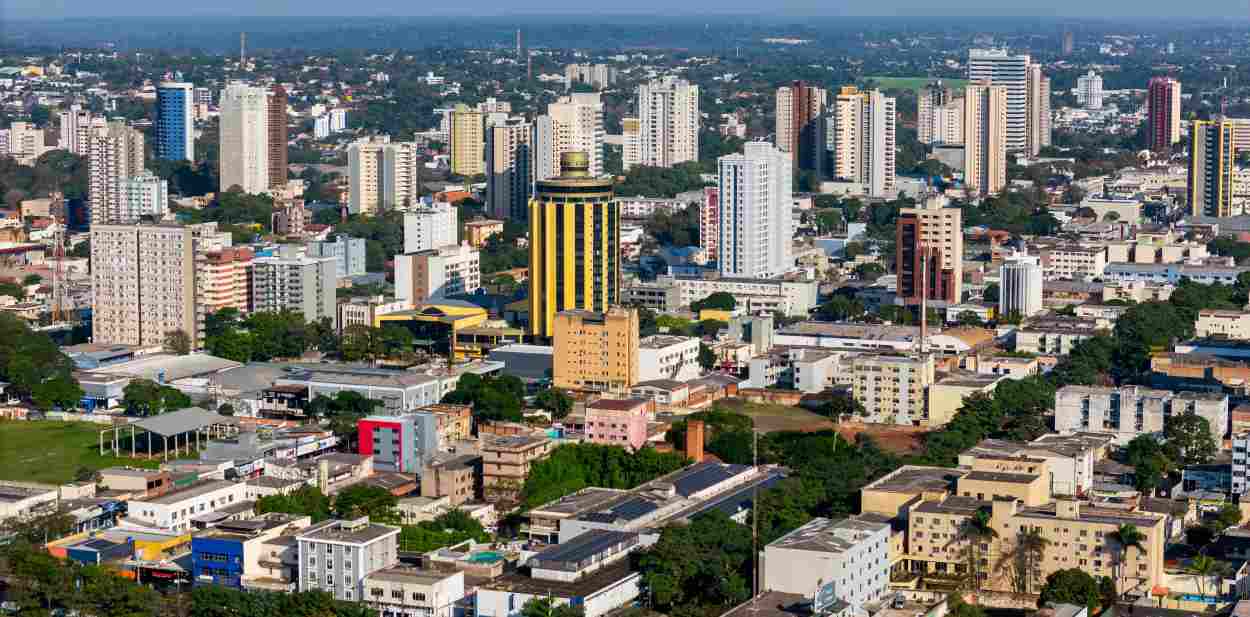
(828, 535)
(916, 479)
(521, 583)
(195, 490)
(774, 604)
(660, 341)
(410, 575)
(854, 331)
(581, 501)
(1000, 476)
(953, 505)
(512, 442)
(334, 531)
(1094, 515)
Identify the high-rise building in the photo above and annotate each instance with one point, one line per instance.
(1163, 113)
(1213, 186)
(223, 279)
(1020, 286)
(597, 76)
(573, 123)
(509, 169)
(1089, 90)
(709, 223)
(116, 154)
(467, 141)
(26, 142)
(631, 144)
(985, 136)
(175, 121)
(929, 100)
(348, 254)
(801, 125)
(437, 273)
(575, 244)
(429, 227)
(755, 219)
(142, 284)
(1068, 43)
(1038, 110)
(929, 252)
(143, 194)
(277, 138)
(668, 122)
(289, 282)
(76, 126)
(383, 175)
(244, 148)
(596, 350)
(864, 140)
(999, 68)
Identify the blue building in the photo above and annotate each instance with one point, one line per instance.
(221, 555)
(175, 126)
(217, 559)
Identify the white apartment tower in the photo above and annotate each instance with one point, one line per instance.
(509, 169)
(863, 146)
(116, 154)
(142, 283)
(76, 125)
(437, 273)
(383, 175)
(430, 227)
(668, 122)
(999, 68)
(1020, 285)
(574, 123)
(144, 194)
(940, 115)
(755, 225)
(1089, 90)
(305, 285)
(985, 136)
(244, 147)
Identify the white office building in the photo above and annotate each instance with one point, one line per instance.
(76, 130)
(999, 68)
(244, 138)
(668, 122)
(429, 227)
(850, 556)
(175, 511)
(663, 356)
(1020, 285)
(1089, 90)
(144, 194)
(755, 218)
(336, 556)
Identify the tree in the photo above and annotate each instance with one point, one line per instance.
(304, 501)
(720, 301)
(841, 308)
(555, 401)
(546, 607)
(1071, 586)
(973, 538)
(144, 397)
(842, 407)
(707, 357)
(364, 500)
(31, 279)
(703, 564)
(991, 293)
(361, 342)
(572, 467)
(57, 392)
(969, 318)
(1126, 537)
(1203, 568)
(177, 342)
(493, 398)
(1150, 461)
(1188, 437)
(869, 272)
(1024, 559)
(1228, 516)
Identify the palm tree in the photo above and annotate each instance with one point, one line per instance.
(974, 531)
(1127, 536)
(1024, 558)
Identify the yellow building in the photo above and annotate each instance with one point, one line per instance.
(468, 142)
(596, 351)
(574, 245)
(478, 232)
(1214, 185)
(436, 325)
(947, 395)
(892, 388)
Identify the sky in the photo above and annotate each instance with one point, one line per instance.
(1134, 9)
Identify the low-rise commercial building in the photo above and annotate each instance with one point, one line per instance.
(946, 395)
(399, 392)
(790, 296)
(506, 463)
(408, 591)
(175, 510)
(1055, 337)
(662, 356)
(256, 553)
(403, 443)
(1223, 324)
(456, 478)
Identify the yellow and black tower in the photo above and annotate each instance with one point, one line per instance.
(575, 242)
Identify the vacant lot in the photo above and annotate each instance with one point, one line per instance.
(771, 418)
(898, 439)
(913, 83)
(51, 451)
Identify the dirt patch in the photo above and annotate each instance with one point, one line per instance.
(900, 439)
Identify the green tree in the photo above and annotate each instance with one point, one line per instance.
(973, 539)
(364, 500)
(555, 401)
(869, 272)
(361, 342)
(1023, 559)
(55, 392)
(841, 308)
(990, 294)
(969, 318)
(1071, 586)
(304, 501)
(572, 467)
(1127, 537)
(546, 607)
(1204, 568)
(707, 358)
(703, 564)
(720, 300)
(177, 342)
(1188, 437)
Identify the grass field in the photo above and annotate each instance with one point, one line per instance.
(52, 451)
(912, 83)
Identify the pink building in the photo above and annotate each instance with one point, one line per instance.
(618, 422)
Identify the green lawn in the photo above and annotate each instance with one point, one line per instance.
(51, 451)
(913, 83)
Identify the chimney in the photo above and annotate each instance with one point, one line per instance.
(694, 440)
(323, 475)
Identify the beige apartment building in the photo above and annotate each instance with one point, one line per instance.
(596, 351)
(1038, 104)
(383, 175)
(509, 168)
(223, 279)
(668, 122)
(468, 141)
(574, 123)
(893, 389)
(506, 463)
(143, 284)
(115, 154)
(1223, 324)
(985, 138)
(864, 140)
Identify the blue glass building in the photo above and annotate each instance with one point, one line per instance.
(175, 126)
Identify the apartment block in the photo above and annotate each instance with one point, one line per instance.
(305, 285)
(506, 463)
(801, 125)
(76, 125)
(244, 141)
(1133, 410)
(573, 123)
(438, 273)
(1223, 324)
(663, 356)
(852, 555)
(1163, 113)
(175, 510)
(477, 232)
(408, 591)
(930, 252)
(596, 351)
(1020, 286)
(458, 478)
(430, 227)
(755, 218)
(348, 254)
(290, 217)
(1072, 262)
(336, 556)
(668, 122)
(143, 195)
(892, 388)
(116, 154)
(986, 122)
(509, 168)
(467, 141)
(404, 443)
(618, 422)
(1038, 119)
(143, 284)
(249, 554)
(1054, 337)
(223, 279)
(709, 223)
(864, 140)
(1000, 69)
(939, 115)
(383, 175)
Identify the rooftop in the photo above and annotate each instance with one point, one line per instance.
(660, 341)
(410, 575)
(520, 583)
(916, 479)
(999, 476)
(964, 506)
(359, 531)
(854, 331)
(618, 404)
(585, 546)
(165, 368)
(1094, 514)
(829, 536)
(512, 442)
(774, 604)
(203, 487)
(569, 505)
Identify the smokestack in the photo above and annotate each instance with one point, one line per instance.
(323, 475)
(694, 440)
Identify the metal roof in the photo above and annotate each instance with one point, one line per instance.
(584, 546)
(183, 421)
(704, 476)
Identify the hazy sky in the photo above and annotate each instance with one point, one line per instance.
(1135, 9)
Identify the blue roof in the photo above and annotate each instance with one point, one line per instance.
(705, 475)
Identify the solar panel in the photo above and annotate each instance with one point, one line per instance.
(584, 546)
(634, 508)
(703, 476)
